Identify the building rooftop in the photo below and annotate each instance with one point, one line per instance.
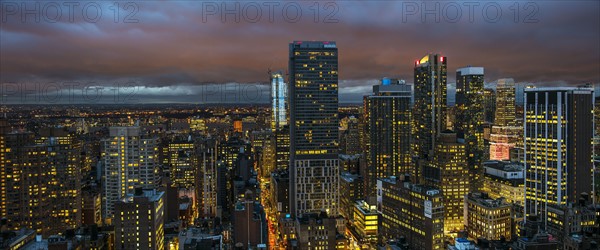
(151, 194)
(484, 200)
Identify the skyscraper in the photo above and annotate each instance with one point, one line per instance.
(65, 161)
(388, 125)
(280, 120)
(278, 101)
(449, 173)
(489, 105)
(313, 96)
(130, 161)
(470, 118)
(558, 147)
(26, 183)
(505, 131)
(429, 113)
(182, 162)
(207, 178)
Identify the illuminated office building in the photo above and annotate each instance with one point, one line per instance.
(197, 125)
(487, 218)
(415, 212)
(182, 162)
(365, 222)
(505, 132)
(130, 161)
(469, 119)
(350, 140)
(448, 172)
(504, 180)
(388, 125)
(139, 221)
(316, 231)
(430, 108)
(557, 147)
(314, 120)
(207, 178)
(351, 190)
(280, 120)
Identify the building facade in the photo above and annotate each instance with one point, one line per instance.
(314, 120)
(470, 118)
(558, 147)
(504, 180)
(280, 119)
(139, 221)
(389, 125)
(130, 161)
(412, 211)
(449, 173)
(487, 218)
(505, 131)
(430, 107)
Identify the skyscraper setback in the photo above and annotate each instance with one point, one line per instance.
(388, 125)
(470, 118)
(313, 96)
(558, 147)
(429, 112)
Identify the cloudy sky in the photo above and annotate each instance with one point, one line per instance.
(184, 51)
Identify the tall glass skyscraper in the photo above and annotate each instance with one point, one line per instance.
(314, 120)
(278, 101)
(558, 134)
(505, 132)
(389, 149)
(430, 103)
(470, 118)
(279, 119)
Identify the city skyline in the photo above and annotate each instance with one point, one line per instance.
(128, 125)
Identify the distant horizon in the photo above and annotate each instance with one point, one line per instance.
(176, 48)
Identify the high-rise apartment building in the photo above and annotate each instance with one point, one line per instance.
(64, 160)
(430, 107)
(314, 121)
(557, 147)
(505, 131)
(139, 221)
(26, 183)
(389, 126)
(130, 161)
(182, 162)
(470, 118)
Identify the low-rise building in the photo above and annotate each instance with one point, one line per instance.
(487, 218)
(415, 212)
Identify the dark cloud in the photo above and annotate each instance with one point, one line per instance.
(174, 44)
